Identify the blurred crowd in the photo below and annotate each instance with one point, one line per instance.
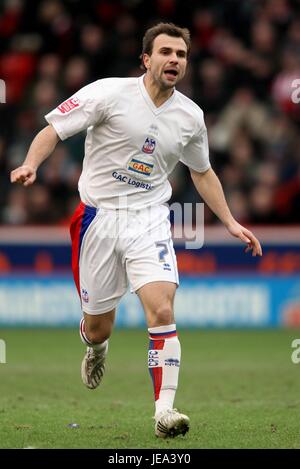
(244, 64)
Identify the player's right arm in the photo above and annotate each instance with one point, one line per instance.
(85, 108)
(41, 147)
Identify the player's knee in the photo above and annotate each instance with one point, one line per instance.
(97, 333)
(97, 337)
(163, 315)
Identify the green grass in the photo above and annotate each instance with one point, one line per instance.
(239, 388)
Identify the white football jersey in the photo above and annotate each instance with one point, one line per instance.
(131, 145)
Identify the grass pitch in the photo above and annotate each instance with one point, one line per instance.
(240, 389)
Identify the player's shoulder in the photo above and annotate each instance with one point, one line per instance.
(189, 106)
(107, 87)
(113, 84)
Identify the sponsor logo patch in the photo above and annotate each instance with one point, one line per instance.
(68, 105)
(140, 167)
(149, 146)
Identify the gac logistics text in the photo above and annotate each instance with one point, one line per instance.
(133, 182)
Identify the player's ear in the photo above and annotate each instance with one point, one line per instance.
(146, 61)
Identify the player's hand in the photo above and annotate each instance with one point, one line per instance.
(239, 231)
(25, 175)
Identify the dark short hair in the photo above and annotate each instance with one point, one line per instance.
(164, 28)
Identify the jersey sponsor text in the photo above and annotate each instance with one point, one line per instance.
(132, 182)
(140, 167)
(68, 105)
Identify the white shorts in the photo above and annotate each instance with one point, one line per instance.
(111, 248)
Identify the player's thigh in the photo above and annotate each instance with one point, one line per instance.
(151, 257)
(157, 299)
(102, 275)
(152, 271)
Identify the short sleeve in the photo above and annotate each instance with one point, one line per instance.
(85, 108)
(195, 153)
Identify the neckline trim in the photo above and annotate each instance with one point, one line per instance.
(156, 110)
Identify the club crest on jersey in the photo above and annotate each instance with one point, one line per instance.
(149, 146)
(140, 167)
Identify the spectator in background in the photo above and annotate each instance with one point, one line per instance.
(245, 56)
(15, 211)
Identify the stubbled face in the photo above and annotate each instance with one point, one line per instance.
(167, 63)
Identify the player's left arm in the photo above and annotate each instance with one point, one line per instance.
(209, 187)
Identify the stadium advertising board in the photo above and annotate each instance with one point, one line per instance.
(200, 302)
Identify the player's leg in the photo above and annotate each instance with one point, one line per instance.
(95, 331)
(100, 280)
(164, 356)
(152, 271)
